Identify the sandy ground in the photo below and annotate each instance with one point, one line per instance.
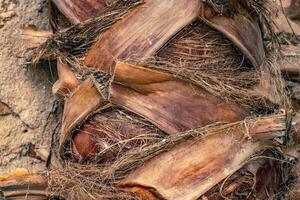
(26, 102)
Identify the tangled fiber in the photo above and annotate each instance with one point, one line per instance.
(99, 179)
(77, 39)
(197, 54)
(203, 56)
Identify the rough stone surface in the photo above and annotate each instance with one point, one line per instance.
(26, 102)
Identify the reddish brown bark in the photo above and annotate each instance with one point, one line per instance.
(80, 10)
(243, 31)
(137, 37)
(193, 167)
(67, 81)
(31, 187)
(156, 96)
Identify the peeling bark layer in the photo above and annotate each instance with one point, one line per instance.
(31, 187)
(83, 102)
(79, 10)
(243, 31)
(159, 97)
(142, 32)
(195, 166)
(260, 179)
(156, 96)
(173, 105)
(67, 81)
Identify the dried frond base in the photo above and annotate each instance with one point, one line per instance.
(102, 179)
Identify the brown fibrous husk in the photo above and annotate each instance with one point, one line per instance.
(100, 179)
(77, 39)
(224, 72)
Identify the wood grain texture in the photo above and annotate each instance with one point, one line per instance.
(79, 10)
(31, 187)
(193, 167)
(263, 175)
(67, 81)
(142, 32)
(169, 103)
(83, 102)
(243, 31)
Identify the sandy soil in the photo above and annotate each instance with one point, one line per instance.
(26, 102)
